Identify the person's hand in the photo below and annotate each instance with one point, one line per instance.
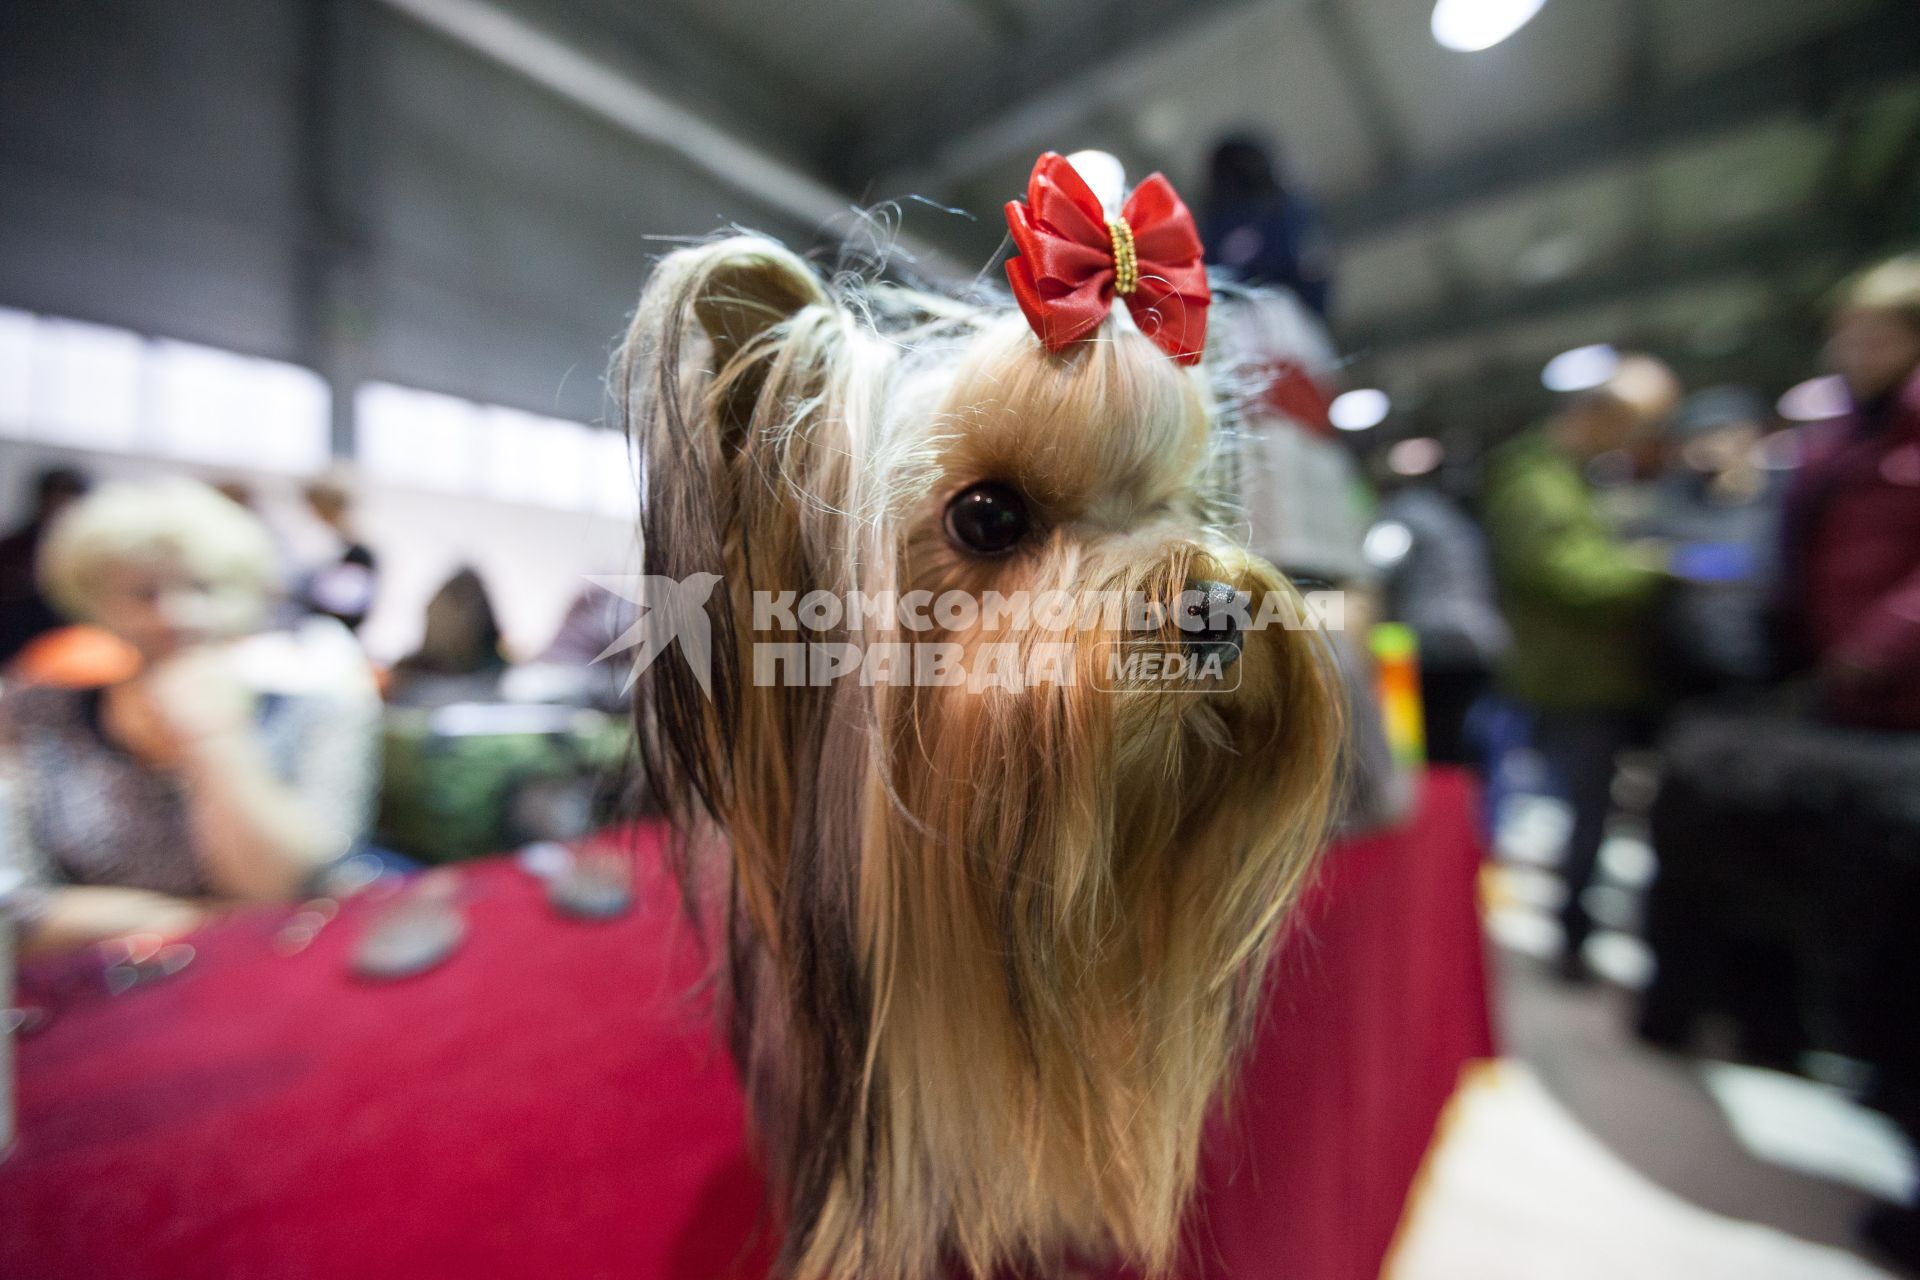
(164, 919)
(133, 921)
(196, 696)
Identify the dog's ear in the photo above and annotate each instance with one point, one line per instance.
(705, 343)
(714, 332)
(753, 286)
(733, 293)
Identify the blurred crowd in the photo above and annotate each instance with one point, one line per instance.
(188, 721)
(1683, 573)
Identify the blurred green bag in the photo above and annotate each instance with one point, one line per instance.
(479, 778)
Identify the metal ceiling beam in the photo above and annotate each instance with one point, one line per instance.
(1839, 233)
(981, 109)
(1767, 254)
(698, 65)
(1805, 80)
(621, 100)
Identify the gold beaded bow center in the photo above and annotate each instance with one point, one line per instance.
(1126, 263)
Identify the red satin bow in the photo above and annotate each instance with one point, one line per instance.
(1072, 262)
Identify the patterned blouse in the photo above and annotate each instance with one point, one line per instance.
(78, 809)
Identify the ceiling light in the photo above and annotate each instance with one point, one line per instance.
(1816, 400)
(1472, 25)
(1358, 410)
(1580, 369)
(1416, 456)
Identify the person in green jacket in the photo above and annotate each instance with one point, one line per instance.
(1579, 599)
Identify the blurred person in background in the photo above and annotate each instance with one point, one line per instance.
(593, 623)
(1580, 599)
(25, 612)
(1850, 613)
(1718, 509)
(459, 658)
(138, 807)
(343, 586)
(571, 668)
(1850, 589)
(1260, 229)
(1437, 579)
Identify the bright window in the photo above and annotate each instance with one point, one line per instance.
(422, 439)
(86, 385)
(416, 438)
(615, 478)
(90, 386)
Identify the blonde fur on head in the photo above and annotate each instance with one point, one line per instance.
(988, 954)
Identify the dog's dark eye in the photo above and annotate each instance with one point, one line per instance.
(988, 518)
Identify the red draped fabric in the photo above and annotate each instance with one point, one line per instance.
(550, 1101)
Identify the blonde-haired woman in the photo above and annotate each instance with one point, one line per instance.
(139, 807)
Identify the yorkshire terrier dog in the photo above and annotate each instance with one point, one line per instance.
(986, 950)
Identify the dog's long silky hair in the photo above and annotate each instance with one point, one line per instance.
(986, 958)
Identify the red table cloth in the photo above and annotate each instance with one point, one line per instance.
(550, 1101)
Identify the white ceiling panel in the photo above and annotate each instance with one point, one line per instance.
(1392, 276)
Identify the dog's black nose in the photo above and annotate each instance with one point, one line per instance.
(1207, 625)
